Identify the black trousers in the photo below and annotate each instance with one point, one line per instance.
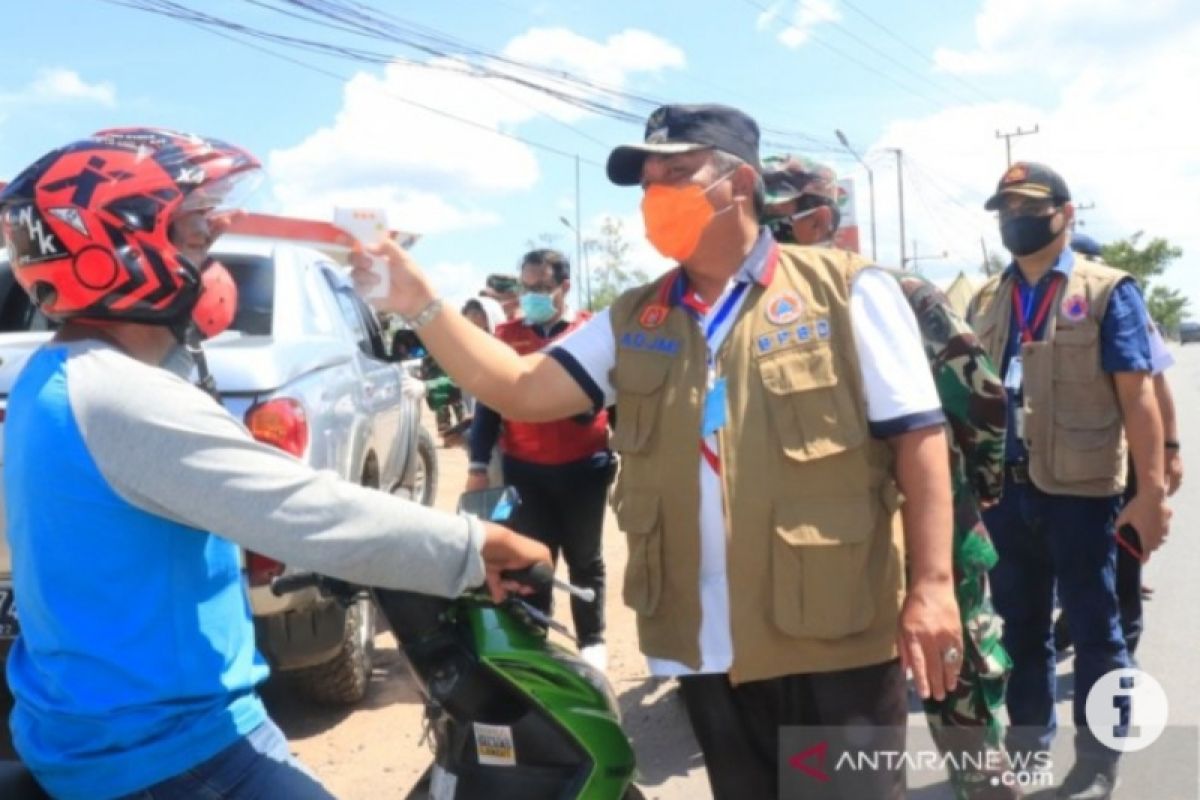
(562, 506)
(738, 728)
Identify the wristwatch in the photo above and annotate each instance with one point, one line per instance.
(425, 315)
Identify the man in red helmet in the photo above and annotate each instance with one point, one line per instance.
(120, 474)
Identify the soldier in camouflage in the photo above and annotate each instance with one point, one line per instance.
(801, 200)
(802, 209)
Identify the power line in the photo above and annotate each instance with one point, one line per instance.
(437, 111)
(810, 141)
(818, 40)
(946, 229)
(360, 19)
(937, 180)
(847, 32)
(906, 45)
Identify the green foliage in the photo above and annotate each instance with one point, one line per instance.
(1168, 307)
(1143, 263)
(613, 274)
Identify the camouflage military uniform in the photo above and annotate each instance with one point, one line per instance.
(973, 401)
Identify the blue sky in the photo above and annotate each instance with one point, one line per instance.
(1109, 83)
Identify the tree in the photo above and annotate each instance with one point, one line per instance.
(544, 240)
(1167, 307)
(1142, 263)
(613, 274)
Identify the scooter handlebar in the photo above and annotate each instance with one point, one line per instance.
(541, 576)
(294, 582)
(535, 576)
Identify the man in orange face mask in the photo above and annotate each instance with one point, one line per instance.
(773, 404)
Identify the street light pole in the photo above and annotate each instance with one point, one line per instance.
(584, 280)
(870, 185)
(900, 187)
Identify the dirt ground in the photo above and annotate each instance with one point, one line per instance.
(374, 751)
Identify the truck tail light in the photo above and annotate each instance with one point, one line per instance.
(281, 423)
(261, 569)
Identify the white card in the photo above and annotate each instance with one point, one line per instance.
(1014, 379)
(368, 226)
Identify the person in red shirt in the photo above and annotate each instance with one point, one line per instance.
(561, 470)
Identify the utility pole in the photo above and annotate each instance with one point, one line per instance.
(870, 185)
(1008, 137)
(1080, 207)
(900, 187)
(914, 258)
(584, 281)
(579, 241)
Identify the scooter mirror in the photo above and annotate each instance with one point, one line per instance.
(495, 505)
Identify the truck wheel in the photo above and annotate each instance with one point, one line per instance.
(425, 471)
(342, 681)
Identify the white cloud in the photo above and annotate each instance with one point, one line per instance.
(433, 173)
(1054, 36)
(1119, 131)
(58, 85)
(456, 280)
(608, 63)
(798, 25)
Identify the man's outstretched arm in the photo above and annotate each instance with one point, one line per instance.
(530, 388)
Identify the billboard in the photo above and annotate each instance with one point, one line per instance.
(847, 233)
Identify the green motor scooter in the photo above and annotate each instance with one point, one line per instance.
(510, 714)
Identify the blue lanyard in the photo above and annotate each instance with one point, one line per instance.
(1028, 295)
(715, 323)
(724, 310)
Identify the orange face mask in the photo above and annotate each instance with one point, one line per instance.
(677, 216)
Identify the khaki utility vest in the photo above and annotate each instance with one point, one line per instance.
(814, 548)
(1073, 425)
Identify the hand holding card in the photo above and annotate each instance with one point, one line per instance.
(368, 226)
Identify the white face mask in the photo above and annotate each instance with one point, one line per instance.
(799, 215)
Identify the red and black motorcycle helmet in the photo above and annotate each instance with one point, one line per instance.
(88, 225)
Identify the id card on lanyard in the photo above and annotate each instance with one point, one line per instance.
(714, 399)
(1022, 304)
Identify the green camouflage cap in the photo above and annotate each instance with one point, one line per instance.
(787, 177)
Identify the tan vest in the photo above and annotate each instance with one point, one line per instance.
(814, 548)
(1073, 424)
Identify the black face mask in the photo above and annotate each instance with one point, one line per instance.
(1026, 235)
(781, 230)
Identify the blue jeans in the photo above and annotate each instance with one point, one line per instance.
(1044, 540)
(259, 765)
